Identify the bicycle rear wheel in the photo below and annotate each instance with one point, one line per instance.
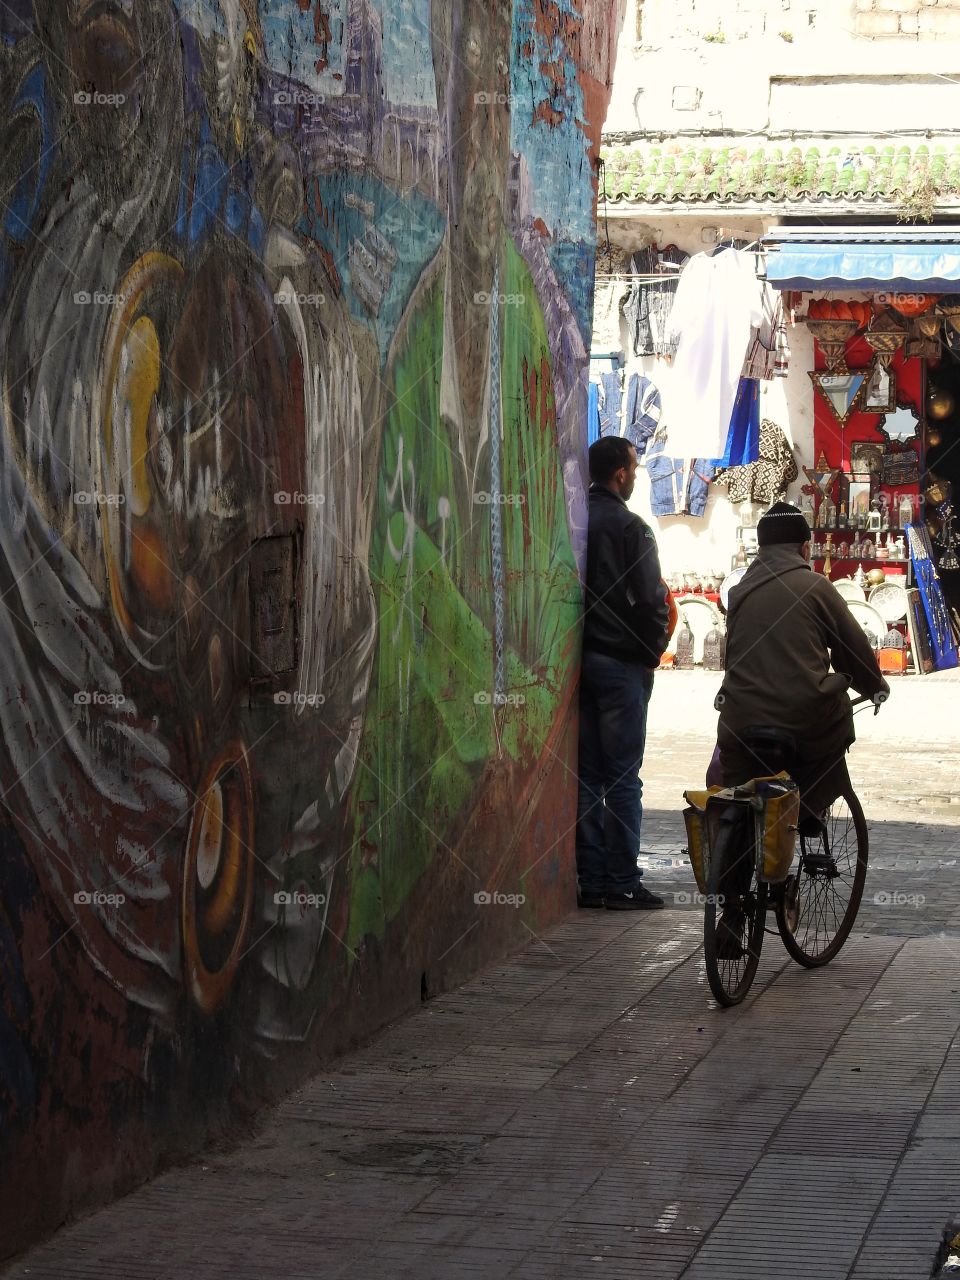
(820, 900)
(734, 916)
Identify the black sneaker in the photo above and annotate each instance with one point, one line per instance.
(640, 900)
(585, 900)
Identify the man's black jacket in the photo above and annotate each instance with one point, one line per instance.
(626, 604)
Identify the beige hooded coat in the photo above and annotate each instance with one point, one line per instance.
(788, 631)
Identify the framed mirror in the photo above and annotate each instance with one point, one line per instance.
(880, 393)
(842, 391)
(901, 425)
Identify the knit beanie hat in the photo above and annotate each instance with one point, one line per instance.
(783, 524)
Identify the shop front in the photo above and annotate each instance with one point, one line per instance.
(753, 355)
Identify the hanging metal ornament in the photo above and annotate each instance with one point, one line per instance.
(940, 403)
(886, 335)
(948, 539)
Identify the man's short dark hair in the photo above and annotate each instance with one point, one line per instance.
(607, 456)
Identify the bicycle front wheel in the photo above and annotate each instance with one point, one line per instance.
(820, 900)
(734, 916)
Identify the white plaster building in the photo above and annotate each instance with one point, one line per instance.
(732, 117)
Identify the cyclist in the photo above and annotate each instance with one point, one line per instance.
(786, 627)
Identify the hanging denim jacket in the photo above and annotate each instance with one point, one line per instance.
(668, 494)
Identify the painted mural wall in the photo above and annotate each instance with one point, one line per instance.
(295, 298)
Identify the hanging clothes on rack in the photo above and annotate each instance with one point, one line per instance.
(650, 299)
(643, 411)
(717, 307)
(743, 438)
(611, 399)
(607, 300)
(677, 488)
(593, 414)
(765, 480)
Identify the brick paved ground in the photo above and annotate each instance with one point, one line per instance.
(584, 1111)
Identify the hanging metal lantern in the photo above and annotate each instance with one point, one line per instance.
(940, 403)
(684, 659)
(714, 650)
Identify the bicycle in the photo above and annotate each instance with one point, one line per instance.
(816, 905)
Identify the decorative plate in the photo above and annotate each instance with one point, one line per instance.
(870, 619)
(849, 590)
(701, 615)
(727, 585)
(890, 601)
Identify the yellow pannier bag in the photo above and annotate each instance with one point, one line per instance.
(775, 804)
(776, 825)
(698, 839)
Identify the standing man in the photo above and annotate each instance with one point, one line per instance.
(625, 633)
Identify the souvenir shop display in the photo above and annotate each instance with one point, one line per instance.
(699, 616)
(890, 601)
(900, 466)
(870, 620)
(714, 650)
(938, 617)
(729, 582)
(841, 391)
(919, 634)
(683, 659)
(833, 323)
(850, 590)
(901, 425)
(880, 393)
(893, 653)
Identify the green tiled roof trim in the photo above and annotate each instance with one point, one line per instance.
(672, 173)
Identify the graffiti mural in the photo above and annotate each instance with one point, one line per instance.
(294, 299)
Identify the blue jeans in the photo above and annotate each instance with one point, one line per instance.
(614, 696)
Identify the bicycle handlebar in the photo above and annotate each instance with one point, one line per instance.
(878, 699)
